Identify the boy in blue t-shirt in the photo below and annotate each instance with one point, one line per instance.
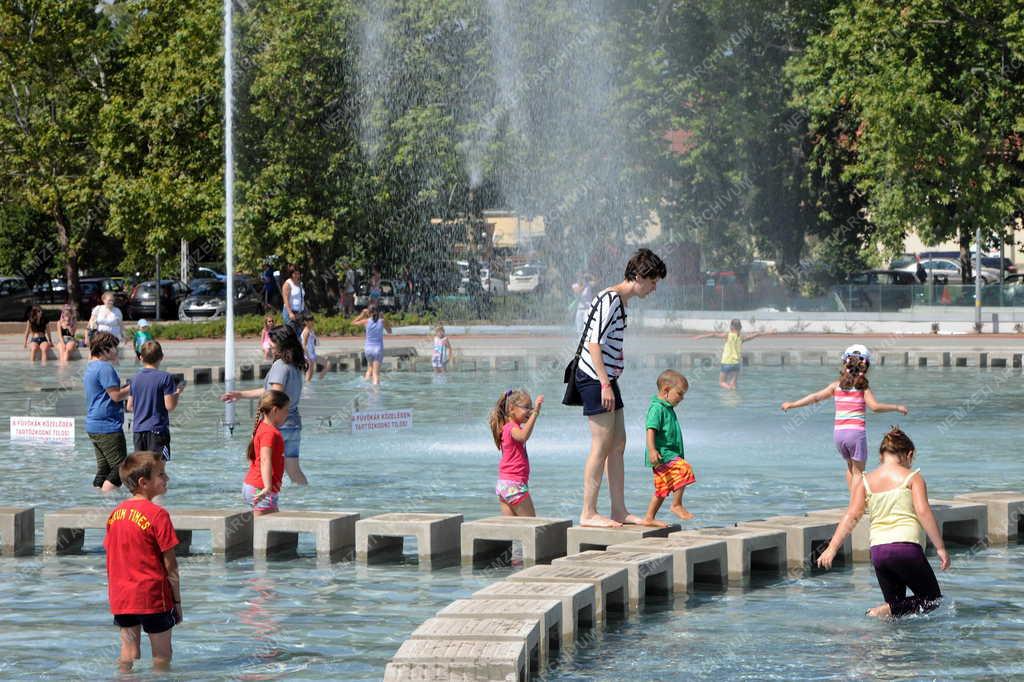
(153, 395)
(104, 420)
(664, 454)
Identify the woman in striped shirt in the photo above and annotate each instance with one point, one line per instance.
(852, 397)
(601, 363)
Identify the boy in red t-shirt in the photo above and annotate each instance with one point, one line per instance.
(142, 571)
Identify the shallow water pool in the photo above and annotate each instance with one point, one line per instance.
(302, 619)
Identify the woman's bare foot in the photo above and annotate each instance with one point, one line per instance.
(598, 521)
(630, 519)
(880, 611)
(682, 512)
(654, 522)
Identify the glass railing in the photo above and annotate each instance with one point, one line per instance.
(857, 298)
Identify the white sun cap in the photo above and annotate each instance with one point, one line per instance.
(857, 349)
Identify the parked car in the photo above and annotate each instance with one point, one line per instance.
(142, 302)
(92, 290)
(16, 298)
(877, 290)
(388, 301)
(1011, 292)
(525, 279)
(206, 299)
(206, 272)
(51, 291)
(950, 270)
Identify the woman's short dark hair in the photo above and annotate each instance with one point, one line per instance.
(645, 263)
(293, 268)
(289, 348)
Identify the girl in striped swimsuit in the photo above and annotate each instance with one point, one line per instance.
(852, 397)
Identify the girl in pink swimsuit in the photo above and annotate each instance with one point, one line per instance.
(852, 398)
(512, 420)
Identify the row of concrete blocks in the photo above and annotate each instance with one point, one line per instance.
(509, 630)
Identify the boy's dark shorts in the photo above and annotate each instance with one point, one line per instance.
(153, 441)
(111, 449)
(590, 393)
(152, 623)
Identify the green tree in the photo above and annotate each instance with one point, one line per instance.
(57, 61)
(920, 107)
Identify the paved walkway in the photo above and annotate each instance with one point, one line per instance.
(547, 340)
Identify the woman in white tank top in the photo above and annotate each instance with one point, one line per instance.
(294, 296)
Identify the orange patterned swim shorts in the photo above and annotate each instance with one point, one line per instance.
(670, 477)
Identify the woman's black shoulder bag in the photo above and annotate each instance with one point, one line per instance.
(572, 394)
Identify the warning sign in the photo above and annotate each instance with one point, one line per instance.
(381, 421)
(43, 429)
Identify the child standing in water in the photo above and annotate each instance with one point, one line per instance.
(375, 325)
(732, 353)
(262, 483)
(268, 324)
(309, 342)
(896, 499)
(512, 420)
(852, 396)
(141, 338)
(442, 350)
(664, 452)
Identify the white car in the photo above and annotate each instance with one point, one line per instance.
(491, 283)
(950, 269)
(524, 280)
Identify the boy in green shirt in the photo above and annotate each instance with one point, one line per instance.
(142, 335)
(664, 452)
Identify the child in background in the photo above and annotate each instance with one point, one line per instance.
(442, 350)
(732, 353)
(512, 420)
(896, 499)
(268, 324)
(152, 395)
(664, 452)
(376, 325)
(104, 420)
(142, 571)
(851, 395)
(141, 338)
(309, 342)
(67, 327)
(262, 483)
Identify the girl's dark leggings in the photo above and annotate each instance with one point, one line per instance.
(899, 565)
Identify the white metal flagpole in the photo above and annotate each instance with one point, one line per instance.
(229, 216)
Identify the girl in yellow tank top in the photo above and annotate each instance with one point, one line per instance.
(732, 353)
(896, 499)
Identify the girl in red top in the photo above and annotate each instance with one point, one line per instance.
(512, 421)
(266, 454)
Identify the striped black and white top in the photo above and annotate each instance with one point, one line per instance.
(607, 327)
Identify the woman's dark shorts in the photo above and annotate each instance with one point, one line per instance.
(590, 392)
(152, 623)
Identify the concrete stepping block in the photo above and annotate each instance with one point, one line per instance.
(961, 522)
(509, 363)
(893, 359)
(64, 529)
(542, 539)
(927, 359)
(230, 530)
(1005, 514)
(860, 538)
(334, 532)
(584, 538)
(17, 531)
(577, 600)
(426, 659)
(466, 365)
(514, 630)
(547, 613)
(747, 550)
(647, 572)
(199, 375)
(811, 357)
(264, 369)
(806, 538)
(381, 538)
(611, 584)
(693, 560)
